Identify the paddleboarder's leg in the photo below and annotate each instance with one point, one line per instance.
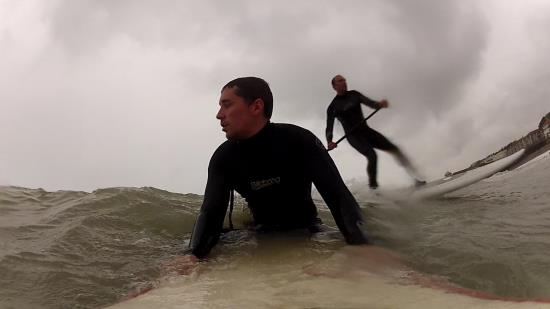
(379, 141)
(362, 145)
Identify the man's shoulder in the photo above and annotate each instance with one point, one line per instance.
(354, 92)
(286, 126)
(334, 100)
(224, 149)
(345, 97)
(300, 135)
(290, 129)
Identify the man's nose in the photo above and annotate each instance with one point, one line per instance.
(219, 115)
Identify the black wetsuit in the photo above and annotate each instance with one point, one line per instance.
(347, 108)
(273, 171)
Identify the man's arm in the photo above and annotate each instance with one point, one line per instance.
(329, 183)
(330, 127)
(371, 103)
(209, 223)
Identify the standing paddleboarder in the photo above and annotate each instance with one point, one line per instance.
(346, 106)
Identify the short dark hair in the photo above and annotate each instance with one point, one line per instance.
(252, 88)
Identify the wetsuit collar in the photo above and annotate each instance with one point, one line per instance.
(258, 135)
(343, 94)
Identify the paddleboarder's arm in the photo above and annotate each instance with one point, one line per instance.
(329, 183)
(369, 102)
(216, 197)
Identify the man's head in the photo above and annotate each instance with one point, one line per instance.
(339, 84)
(246, 105)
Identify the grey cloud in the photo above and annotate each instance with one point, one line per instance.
(105, 65)
(84, 26)
(420, 55)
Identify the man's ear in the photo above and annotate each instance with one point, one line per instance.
(258, 106)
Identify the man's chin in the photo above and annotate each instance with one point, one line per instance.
(228, 135)
(232, 136)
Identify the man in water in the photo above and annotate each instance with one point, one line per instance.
(346, 106)
(272, 165)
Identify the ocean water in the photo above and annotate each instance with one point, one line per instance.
(69, 249)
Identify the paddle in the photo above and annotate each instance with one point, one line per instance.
(356, 126)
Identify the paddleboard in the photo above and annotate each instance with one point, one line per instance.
(440, 187)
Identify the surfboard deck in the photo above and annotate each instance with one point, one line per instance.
(354, 277)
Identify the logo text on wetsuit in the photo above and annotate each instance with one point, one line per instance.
(260, 184)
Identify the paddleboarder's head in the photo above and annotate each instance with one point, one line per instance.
(339, 84)
(246, 104)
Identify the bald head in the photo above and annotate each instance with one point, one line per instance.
(339, 84)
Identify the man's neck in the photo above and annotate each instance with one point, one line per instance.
(257, 128)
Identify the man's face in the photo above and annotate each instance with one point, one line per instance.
(237, 118)
(340, 85)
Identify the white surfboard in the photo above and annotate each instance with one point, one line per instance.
(353, 277)
(452, 183)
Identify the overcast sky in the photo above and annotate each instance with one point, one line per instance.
(102, 93)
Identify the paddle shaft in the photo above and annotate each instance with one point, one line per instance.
(356, 126)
